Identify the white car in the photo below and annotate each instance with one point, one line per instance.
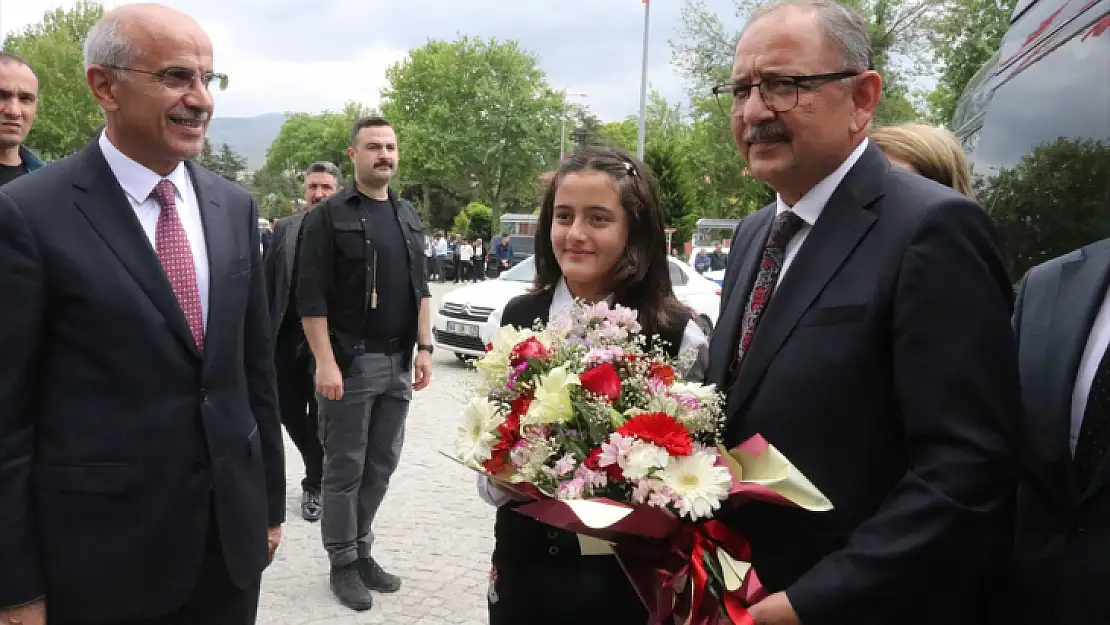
(458, 324)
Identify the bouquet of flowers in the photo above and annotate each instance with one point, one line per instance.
(595, 426)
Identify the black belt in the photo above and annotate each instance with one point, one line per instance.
(382, 346)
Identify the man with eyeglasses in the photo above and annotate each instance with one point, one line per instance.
(141, 460)
(865, 333)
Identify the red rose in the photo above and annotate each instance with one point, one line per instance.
(662, 371)
(489, 347)
(659, 429)
(528, 348)
(614, 471)
(602, 380)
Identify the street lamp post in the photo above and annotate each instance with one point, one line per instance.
(563, 124)
(640, 135)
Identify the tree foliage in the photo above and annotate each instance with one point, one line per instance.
(225, 162)
(306, 138)
(477, 117)
(475, 221)
(1051, 202)
(964, 37)
(68, 115)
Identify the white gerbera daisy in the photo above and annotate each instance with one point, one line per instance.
(698, 485)
(478, 431)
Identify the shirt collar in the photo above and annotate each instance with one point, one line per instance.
(562, 300)
(136, 180)
(810, 206)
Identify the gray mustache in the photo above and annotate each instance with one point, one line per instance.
(766, 133)
(191, 115)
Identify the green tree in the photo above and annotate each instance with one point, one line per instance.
(306, 138)
(475, 117)
(226, 163)
(1051, 202)
(278, 193)
(676, 186)
(621, 134)
(481, 221)
(68, 115)
(965, 36)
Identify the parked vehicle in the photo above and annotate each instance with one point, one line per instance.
(459, 324)
(1035, 121)
(707, 234)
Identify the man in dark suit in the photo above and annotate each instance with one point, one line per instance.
(292, 358)
(141, 467)
(864, 331)
(1062, 322)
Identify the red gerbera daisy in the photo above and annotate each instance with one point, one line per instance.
(659, 429)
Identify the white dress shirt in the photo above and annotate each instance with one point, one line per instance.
(811, 205)
(561, 302)
(138, 183)
(1097, 342)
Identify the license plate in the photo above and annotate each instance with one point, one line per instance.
(465, 329)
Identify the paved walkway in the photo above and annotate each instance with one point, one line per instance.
(432, 530)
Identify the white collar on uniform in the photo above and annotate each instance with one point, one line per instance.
(562, 300)
(137, 181)
(810, 206)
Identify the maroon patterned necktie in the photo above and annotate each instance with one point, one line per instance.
(786, 225)
(172, 246)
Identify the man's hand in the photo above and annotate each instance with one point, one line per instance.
(774, 610)
(273, 539)
(329, 381)
(31, 614)
(422, 371)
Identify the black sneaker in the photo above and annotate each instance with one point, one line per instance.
(310, 506)
(376, 578)
(349, 589)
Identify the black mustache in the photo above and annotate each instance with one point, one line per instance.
(766, 133)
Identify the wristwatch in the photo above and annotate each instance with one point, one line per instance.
(425, 348)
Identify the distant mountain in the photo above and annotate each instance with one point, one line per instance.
(249, 136)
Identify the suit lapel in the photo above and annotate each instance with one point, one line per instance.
(103, 202)
(218, 238)
(842, 225)
(1083, 284)
(749, 242)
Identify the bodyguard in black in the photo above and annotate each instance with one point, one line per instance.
(364, 304)
(292, 358)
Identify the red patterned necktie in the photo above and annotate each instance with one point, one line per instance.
(786, 225)
(172, 247)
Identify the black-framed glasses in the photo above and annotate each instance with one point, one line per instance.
(180, 77)
(779, 93)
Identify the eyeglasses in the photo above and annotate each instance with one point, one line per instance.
(180, 77)
(780, 93)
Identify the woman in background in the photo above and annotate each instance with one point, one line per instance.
(928, 151)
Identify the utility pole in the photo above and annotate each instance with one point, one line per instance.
(640, 136)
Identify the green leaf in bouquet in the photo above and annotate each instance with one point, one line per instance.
(616, 418)
(716, 583)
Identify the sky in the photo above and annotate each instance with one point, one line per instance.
(287, 55)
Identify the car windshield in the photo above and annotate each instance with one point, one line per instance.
(524, 272)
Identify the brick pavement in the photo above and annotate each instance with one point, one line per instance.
(432, 530)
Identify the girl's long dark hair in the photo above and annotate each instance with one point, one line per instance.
(641, 278)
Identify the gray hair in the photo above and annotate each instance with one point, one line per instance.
(105, 45)
(325, 167)
(844, 27)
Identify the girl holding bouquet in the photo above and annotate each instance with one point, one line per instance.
(600, 237)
